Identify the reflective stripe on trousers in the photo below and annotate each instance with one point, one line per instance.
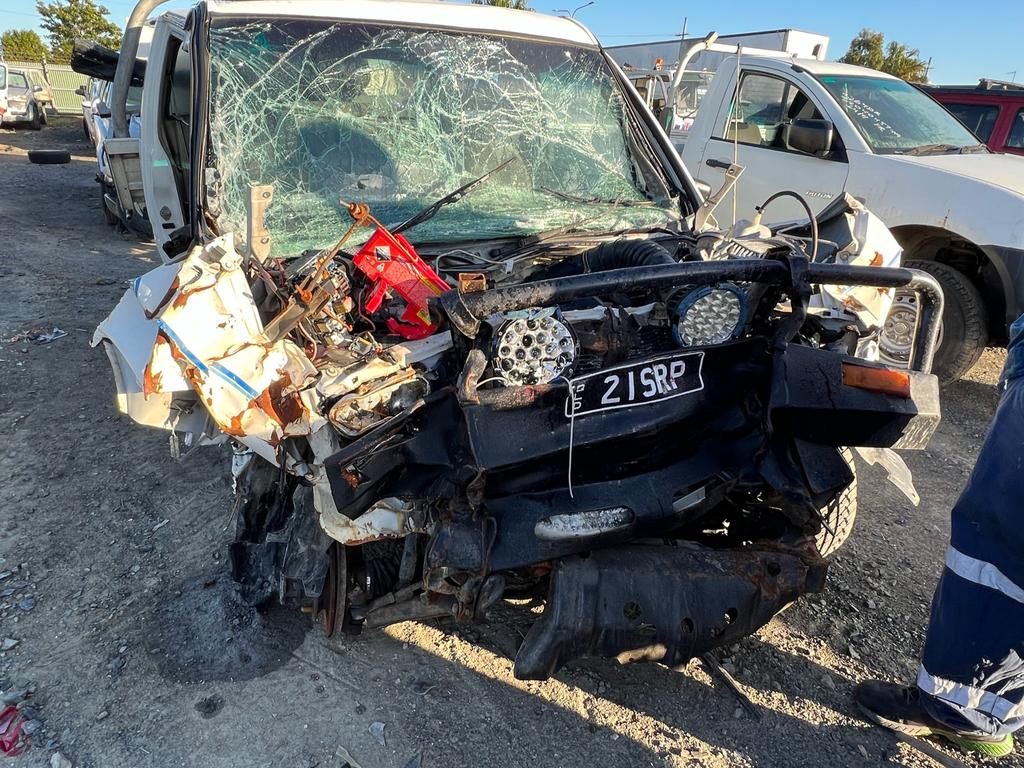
(972, 673)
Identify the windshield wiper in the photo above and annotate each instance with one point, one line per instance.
(452, 197)
(934, 149)
(615, 202)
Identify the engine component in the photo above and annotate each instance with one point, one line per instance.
(376, 401)
(613, 603)
(614, 254)
(391, 264)
(710, 314)
(534, 346)
(330, 324)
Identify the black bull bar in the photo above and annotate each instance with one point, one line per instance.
(669, 603)
(795, 276)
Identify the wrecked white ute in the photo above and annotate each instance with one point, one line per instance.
(439, 279)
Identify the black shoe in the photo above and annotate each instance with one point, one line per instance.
(898, 708)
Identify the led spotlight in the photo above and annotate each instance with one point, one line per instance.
(710, 314)
(534, 346)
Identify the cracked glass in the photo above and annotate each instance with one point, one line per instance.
(331, 112)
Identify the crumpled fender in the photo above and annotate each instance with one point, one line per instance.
(193, 327)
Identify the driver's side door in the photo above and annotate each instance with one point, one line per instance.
(752, 130)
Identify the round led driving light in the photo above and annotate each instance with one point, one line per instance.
(711, 314)
(534, 347)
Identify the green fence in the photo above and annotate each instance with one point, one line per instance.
(63, 83)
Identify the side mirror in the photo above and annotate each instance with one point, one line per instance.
(80, 90)
(37, 89)
(813, 137)
(102, 110)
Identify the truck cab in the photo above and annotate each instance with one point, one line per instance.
(992, 109)
(835, 129)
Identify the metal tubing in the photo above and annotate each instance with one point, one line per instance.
(926, 335)
(126, 65)
(466, 310)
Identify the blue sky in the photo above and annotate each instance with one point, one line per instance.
(964, 41)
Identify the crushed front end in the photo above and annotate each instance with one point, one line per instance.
(543, 383)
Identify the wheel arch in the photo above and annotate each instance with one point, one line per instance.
(990, 276)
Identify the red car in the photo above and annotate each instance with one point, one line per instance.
(992, 109)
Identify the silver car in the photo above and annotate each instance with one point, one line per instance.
(26, 100)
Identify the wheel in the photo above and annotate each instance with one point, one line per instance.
(45, 115)
(34, 121)
(335, 592)
(962, 335)
(838, 515)
(49, 156)
(108, 216)
(85, 130)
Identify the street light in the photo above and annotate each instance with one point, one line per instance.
(578, 8)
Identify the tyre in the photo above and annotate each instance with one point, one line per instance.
(49, 156)
(108, 216)
(838, 515)
(85, 130)
(962, 335)
(34, 121)
(45, 115)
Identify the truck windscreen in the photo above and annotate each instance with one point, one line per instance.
(330, 111)
(894, 116)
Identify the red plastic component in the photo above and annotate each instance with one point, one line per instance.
(12, 742)
(393, 265)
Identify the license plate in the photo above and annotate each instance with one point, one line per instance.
(649, 381)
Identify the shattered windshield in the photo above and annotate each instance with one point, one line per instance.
(328, 111)
(896, 117)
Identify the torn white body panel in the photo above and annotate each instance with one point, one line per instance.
(873, 245)
(205, 338)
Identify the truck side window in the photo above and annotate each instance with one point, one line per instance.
(1015, 138)
(176, 114)
(765, 103)
(979, 118)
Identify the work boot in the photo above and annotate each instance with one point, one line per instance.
(898, 708)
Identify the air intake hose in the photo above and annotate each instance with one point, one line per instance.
(615, 254)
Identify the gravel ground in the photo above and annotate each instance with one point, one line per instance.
(131, 650)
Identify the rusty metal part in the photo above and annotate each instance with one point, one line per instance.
(476, 362)
(472, 282)
(335, 592)
(614, 603)
(508, 398)
(257, 236)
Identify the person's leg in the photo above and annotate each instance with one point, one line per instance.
(970, 685)
(971, 669)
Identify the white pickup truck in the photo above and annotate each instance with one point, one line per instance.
(829, 129)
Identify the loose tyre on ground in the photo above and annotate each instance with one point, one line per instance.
(49, 156)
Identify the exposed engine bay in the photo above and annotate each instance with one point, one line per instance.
(418, 432)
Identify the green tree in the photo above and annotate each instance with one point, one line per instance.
(868, 49)
(519, 5)
(64, 20)
(22, 45)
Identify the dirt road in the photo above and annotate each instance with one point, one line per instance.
(131, 652)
